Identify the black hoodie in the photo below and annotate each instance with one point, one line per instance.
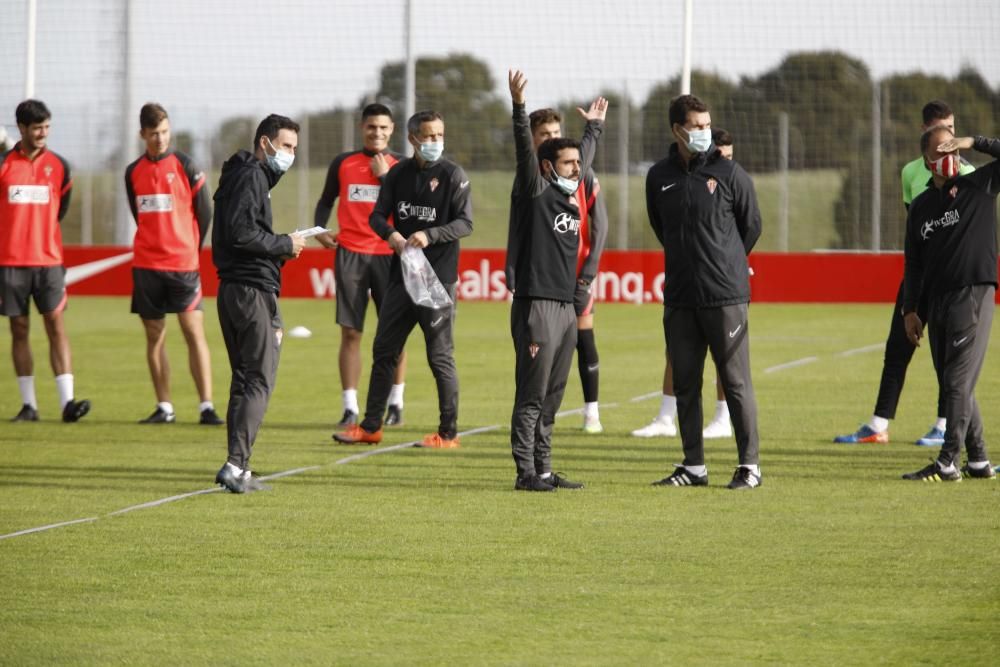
(245, 248)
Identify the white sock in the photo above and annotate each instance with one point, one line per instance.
(350, 400)
(26, 383)
(754, 469)
(396, 395)
(668, 408)
(700, 471)
(236, 470)
(948, 468)
(166, 406)
(721, 411)
(206, 405)
(941, 424)
(545, 475)
(979, 465)
(879, 424)
(64, 385)
(590, 410)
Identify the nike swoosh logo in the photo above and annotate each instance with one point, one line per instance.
(667, 187)
(960, 341)
(75, 274)
(732, 334)
(463, 185)
(437, 321)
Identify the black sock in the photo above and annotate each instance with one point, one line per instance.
(586, 357)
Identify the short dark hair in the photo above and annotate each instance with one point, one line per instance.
(375, 109)
(151, 115)
(936, 110)
(681, 106)
(270, 126)
(928, 136)
(721, 137)
(30, 112)
(543, 117)
(550, 148)
(421, 117)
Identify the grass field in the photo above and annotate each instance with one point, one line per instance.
(812, 195)
(430, 557)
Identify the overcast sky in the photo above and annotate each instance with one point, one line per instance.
(210, 59)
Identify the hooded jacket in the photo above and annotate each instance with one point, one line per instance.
(245, 248)
(706, 218)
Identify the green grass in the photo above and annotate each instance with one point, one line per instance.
(430, 557)
(812, 195)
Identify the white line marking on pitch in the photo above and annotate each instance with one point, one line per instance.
(28, 531)
(861, 350)
(791, 364)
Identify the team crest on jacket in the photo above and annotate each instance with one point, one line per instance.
(48, 170)
(170, 177)
(434, 183)
(711, 184)
(533, 349)
(953, 192)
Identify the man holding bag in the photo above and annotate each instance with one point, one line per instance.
(429, 199)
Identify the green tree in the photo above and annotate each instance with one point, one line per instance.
(234, 134)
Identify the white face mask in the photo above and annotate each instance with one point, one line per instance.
(281, 161)
(431, 151)
(567, 185)
(698, 140)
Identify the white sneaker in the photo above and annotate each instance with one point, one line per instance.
(657, 428)
(718, 428)
(592, 424)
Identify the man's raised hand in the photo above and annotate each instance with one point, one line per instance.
(597, 111)
(517, 82)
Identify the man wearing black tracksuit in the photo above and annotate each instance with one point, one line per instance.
(951, 258)
(544, 240)
(430, 201)
(248, 256)
(703, 209)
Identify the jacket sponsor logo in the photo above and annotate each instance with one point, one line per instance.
(711, 184)
(434, 183)
(154, 203)
(949, 219)
(405, 210)
(565, 222)
(664, 188)
(533, 349)
(362, 192)
(28, 194)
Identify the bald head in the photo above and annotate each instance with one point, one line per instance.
(931, 139)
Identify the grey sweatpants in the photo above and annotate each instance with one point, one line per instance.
(959, 332)
(396, 318)
(544, 334)
(252, 329)
(689, 332)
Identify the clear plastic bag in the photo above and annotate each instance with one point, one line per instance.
(421, 282)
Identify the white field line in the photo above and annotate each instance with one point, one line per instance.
(861, 350)
(371, 452)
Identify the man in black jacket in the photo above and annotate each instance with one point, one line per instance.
(248, 256)
(703, 209)
(544, 241)
(430, 202)
(951, 258)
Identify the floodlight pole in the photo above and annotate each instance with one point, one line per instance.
(29, 65)
(876, 168)
(410, 75)
(686, 56)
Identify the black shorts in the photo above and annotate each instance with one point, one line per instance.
(357, 273)
(583, 300)
(156, 293)
(45, 284)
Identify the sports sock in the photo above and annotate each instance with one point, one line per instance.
(396, 395)
(235, 470)
(941, 424)
(878, 424)
(590, 410)
(166, 406)
(979, 465)
(545, 475)
(668, 407)
(64, 385)
(26, 383)
(350, 400)
(206, 405)
(700, 471)
(588, 363)
(754, 469)
(721, 411)
(949, 467)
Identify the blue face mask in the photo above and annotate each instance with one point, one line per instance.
(567, 185)
(281, 161)
(431, 151)
(698, 140)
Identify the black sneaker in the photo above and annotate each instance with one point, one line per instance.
(681, 476)
(27, 414)
(933, 473)
(229, 480)
(393, 416)
(159, 416)
(560, 482)
(75, 411)
(210, 418)
(348, 419)
(532, 483)
(979, 473)
(744, 478)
